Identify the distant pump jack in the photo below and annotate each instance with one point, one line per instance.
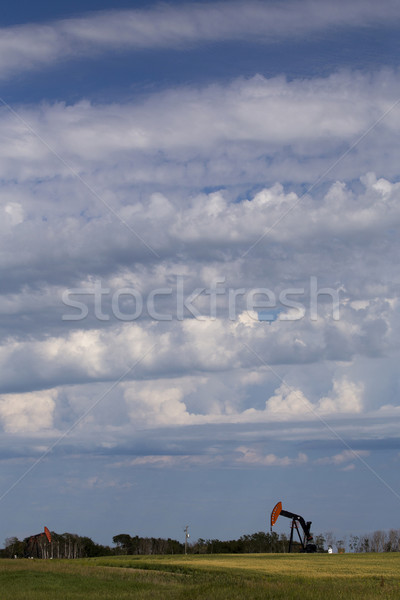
(307, 541)
(37, 544)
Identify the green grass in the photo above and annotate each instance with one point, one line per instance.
(207, 577)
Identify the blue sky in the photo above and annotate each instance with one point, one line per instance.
(170, 173)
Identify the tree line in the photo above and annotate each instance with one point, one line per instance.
(69, 545)
(65, 545)
(377, 541)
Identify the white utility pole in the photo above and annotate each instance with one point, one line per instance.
(186, 530)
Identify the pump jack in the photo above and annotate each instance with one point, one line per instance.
(36, 543)
(307, 541)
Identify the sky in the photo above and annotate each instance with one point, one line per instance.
(199, 310)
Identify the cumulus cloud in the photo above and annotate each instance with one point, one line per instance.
(289, 403)
(31, 412)
(340, 460)
(155, 349)
(250, 456)
(158, 402)
(346, 398)
(150, 162)
(150, 188)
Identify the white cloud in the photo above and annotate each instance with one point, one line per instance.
(250, 456)
(250, 130)
(346, 398)
(242, 456)
(289, 403)
(15, 212)
(349, 467)
(33, 46)
(188, 348)
(28, 412)
(148, 161)
(171, 460)
(389, 410)
(346, 456)
(157, 403)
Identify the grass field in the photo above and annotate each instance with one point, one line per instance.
(207, 577)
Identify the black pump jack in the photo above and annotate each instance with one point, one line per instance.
(307, 541)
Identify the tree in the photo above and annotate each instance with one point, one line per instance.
(340, 545)
(365, 545)
(282, 544)
(354, 543)
(393, 541)
(320, 542)
(14, 547)
(123, 542)
(200, 547)
(378, 540)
